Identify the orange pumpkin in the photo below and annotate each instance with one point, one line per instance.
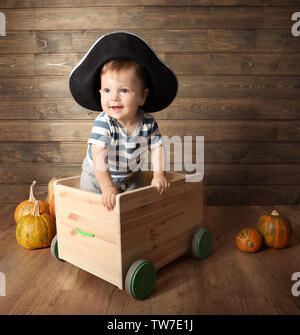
(35, 230)
(52, 205)
(50, 196)
(248, 240)
(275, 228)
(25, 207)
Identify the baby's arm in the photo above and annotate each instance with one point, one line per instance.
(102, 174)
(159, 176)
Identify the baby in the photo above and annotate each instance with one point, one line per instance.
(122, 77)
(123, 92)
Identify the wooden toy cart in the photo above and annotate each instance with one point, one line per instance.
(144, 232)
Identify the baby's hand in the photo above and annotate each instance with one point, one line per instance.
(108, 197)
(160, 182)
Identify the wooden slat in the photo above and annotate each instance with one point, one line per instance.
(15, 193)
(238, 86)
(149, 18)
(60, 153)
(120, 3)
(16, 65)
(208, 40)
(212, 130)
(229, 174)
(19, 19)
(234, 63)
(39, 131)
(215, 174)
(252, 153)
(42, 152)
(231, 109)
(44, 109)
(204, 86)
(37, 64)
(40, 172)
(19, 42)
(180, 109)
(202, 63)
(252, 194)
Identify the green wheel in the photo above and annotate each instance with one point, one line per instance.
(54, 249)
(202, 243)
(140, 279)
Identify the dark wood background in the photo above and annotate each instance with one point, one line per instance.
(238, 66)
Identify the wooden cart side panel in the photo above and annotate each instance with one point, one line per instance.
(119, 243)
(93, 255)
(99, 255)
(73, 181)
(87, 203)
(159, 228)
(144, 196)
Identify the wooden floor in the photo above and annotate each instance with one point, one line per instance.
(228, 282)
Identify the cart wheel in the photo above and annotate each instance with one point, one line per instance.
(54, 249)
(140, 279)
(202, 243)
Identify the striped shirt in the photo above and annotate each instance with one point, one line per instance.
(125, 153)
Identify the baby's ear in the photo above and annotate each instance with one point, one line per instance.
(145, 95)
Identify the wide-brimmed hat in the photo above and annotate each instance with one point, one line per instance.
(85, 77)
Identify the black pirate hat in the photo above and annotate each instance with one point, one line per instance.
(85, 77)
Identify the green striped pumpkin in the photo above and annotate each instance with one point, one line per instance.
(35, 230)
(275, 228)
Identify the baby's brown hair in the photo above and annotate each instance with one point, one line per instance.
(117, 65)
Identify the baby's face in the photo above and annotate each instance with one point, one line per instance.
(122, 94)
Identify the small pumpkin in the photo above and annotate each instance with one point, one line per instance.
(275, 228)
(248, 240)
(25, 207)
(35, 230)
(50, 196)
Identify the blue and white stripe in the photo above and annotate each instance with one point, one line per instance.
(126, 153)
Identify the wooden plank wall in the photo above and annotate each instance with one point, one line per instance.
(238, 67)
